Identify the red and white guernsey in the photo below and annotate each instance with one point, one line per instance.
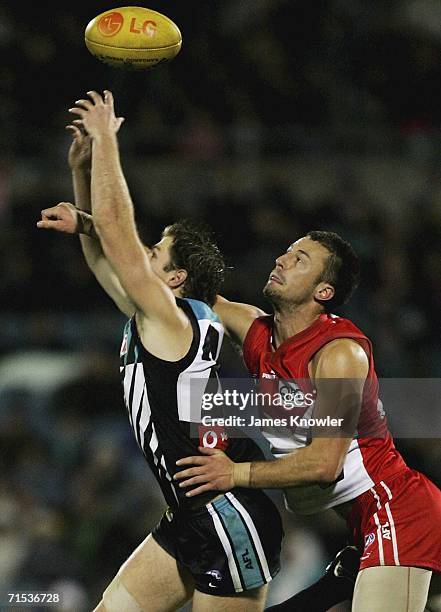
(370, 459)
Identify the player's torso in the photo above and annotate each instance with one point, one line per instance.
(164, 400)
(160, 396)
(372, 454)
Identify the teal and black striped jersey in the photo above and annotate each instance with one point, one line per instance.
(164, 403)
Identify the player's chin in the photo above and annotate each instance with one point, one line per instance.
(271, 290)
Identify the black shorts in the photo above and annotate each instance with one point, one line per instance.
(230, 545)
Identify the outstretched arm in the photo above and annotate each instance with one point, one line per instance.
(237, 318)
(80, 164)
(114, 218)
(66, 218)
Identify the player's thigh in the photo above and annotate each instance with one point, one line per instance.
(391, 589)
(249, 601)
(150, 579)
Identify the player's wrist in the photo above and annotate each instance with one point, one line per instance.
(242, 474)
(85, 224)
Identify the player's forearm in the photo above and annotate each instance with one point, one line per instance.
(298, 468)
(111, 202)
(81, 187)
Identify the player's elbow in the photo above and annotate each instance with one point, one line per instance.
(328, 472)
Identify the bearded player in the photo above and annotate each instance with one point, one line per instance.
(393, 512)
(217, 550)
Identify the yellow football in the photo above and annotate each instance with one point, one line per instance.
(133, 37)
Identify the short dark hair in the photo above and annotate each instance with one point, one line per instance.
(194, 250)
(342, 269)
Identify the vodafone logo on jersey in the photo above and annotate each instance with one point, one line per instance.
(213, 437)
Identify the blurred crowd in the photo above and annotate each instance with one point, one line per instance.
(276, 118)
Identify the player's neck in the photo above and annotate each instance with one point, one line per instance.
(292, 322)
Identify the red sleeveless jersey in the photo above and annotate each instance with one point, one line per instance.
(371, 457)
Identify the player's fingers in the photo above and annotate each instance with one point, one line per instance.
(119, 122)
(87, 104)
(202, 489)
(193, 481)
(77, 110)
(49, 212)
(193, 471)
(48, 224)
(75, 131)
(95, 96)
(191, 461)
(108, 98)
(209, 451)
(80, 124)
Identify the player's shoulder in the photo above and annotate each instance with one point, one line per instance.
(338, 325)
(200, 310)
(260, 327)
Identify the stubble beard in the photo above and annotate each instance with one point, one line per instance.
(281, 304)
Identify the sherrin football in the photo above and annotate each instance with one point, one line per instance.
(133, 37)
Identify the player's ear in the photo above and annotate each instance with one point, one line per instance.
(177, 278)
(324, 292)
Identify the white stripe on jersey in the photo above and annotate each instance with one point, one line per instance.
(377, 499)
(227, 548)
(253, 531)
(380, 539)
(386, 488)
(145, 416)
(393, 532)
(192, 382)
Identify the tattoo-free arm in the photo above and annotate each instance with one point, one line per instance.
(79, 161)
(339, 373)
(237, 318)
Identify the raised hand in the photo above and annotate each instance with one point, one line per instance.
(97, 114)
(80, 152)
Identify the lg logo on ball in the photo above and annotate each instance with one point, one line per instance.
(111, 23)
(148, 27)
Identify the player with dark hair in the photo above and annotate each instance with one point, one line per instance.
(392, 511)
(216, 549)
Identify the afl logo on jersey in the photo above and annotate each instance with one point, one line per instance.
(369, 540)
(124, 346)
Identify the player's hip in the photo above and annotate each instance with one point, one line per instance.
(396, 522)
(226, 546)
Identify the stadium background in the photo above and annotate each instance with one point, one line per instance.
(277, 117)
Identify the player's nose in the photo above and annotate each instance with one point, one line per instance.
(280, 262)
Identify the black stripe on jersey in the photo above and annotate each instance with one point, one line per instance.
(231, 546)
(147, 437)
(211, 343)
(138, 419)
(131, 392)
(256, 554)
